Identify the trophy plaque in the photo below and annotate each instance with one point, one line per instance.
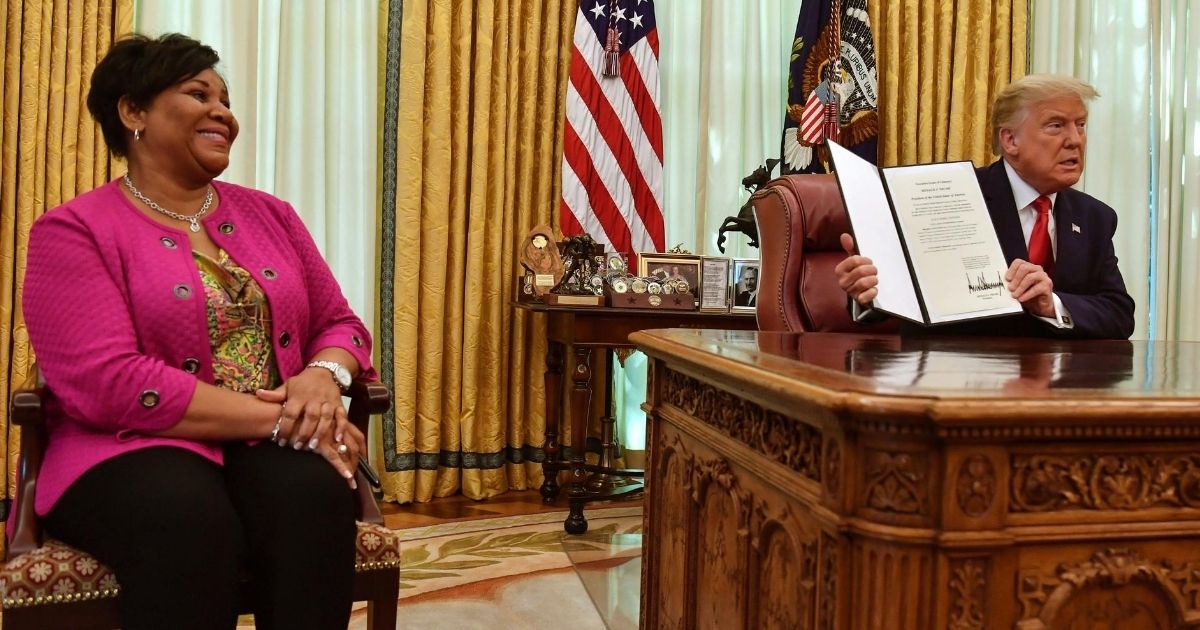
(539, 256)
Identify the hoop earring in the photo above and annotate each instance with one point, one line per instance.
(137, 135)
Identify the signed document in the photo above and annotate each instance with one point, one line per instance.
(929, 233)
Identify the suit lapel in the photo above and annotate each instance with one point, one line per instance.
(997, 192)
(1071, 255)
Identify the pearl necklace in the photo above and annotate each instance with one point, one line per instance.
(194, 219)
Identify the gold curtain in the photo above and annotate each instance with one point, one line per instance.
(50, 148)
(472, 110)
(940, 64)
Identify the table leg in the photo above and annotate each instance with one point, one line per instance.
(599, 481)
(581, 399)
(553, 384)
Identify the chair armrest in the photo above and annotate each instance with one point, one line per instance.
(367, 398)
(28, 413)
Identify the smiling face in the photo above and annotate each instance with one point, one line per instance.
(188, 128)
(1046, 148)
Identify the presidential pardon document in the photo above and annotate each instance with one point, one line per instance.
(929, 233)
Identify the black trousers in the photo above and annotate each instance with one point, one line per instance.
(180, 531)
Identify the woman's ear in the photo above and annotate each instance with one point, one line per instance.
(132, 116)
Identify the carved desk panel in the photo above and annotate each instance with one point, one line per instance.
(850, 482)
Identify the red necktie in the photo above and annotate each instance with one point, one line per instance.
(1040, 251)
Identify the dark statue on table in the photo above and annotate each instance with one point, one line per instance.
(579, 263)
(744, 221)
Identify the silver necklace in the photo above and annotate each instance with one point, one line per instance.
(194, 219)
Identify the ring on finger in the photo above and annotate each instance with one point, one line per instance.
(342, 449)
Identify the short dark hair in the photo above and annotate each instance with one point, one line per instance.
(139, 67)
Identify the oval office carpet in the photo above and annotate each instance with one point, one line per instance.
(506, 572)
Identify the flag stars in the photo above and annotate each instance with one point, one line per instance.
(597, 10)
(636, 20)
(620, 14)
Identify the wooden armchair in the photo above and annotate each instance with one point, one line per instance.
(47, 585)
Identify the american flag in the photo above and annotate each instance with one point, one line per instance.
(612, 175)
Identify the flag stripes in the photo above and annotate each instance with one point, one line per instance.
(612, 175)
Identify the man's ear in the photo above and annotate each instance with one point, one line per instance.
(1008, 141)
(132, 116)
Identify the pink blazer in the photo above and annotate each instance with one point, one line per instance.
(116, 315)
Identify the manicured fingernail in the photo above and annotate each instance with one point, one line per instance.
(353, 485)
(283, 441)
(312, 444)
(297, 444)
(338, 438)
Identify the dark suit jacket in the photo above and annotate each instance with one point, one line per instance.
(1086, 277)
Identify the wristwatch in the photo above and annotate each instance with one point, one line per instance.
(341, 375)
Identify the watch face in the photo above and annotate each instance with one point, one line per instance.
(342, 375)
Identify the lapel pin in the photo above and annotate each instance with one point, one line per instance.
(1075, 228)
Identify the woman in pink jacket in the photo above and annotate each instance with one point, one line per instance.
(196, 347)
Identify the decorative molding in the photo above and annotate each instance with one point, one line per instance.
(967, 586)
(1020, 431)
(709, 471)
(896, 482)
(833, 466)
(782, 522)
(827, 606)
(789, 441)
(976, 486)
(1042, 597)
(1047, 483)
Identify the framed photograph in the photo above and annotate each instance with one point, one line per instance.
(745, 285)
(671, 267)
(714, 284)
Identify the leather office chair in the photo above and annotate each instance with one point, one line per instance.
(800, 219)
(47, 585)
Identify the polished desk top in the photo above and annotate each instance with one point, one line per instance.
(949, 377)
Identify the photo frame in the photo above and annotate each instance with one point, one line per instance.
(744, 285)
(714, 284)
(667, 266)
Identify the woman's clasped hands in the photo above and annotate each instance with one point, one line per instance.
(314, 418)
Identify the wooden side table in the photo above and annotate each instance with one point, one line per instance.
(573, 332)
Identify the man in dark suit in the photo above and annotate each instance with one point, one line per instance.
(747, 288)
(1057, 240)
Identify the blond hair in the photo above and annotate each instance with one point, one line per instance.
(1012, 104)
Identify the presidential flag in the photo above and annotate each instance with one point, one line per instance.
(612, 172)
(832, 86)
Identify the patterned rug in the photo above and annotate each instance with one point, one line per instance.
(503, 573)
(508, 572)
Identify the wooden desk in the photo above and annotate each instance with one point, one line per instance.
(575, 331)
(852, 482)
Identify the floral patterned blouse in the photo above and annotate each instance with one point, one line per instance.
(239, 325)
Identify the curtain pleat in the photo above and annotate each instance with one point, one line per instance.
(50, 148)
(471, 145)
(940, 64)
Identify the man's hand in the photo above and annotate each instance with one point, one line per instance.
(1030, 286)
(857, 275)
